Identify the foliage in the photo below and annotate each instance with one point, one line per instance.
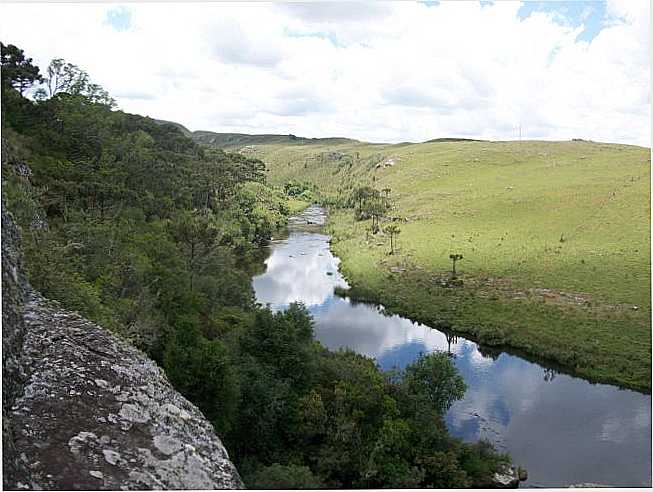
(479, 460)
(279, 476)
(433, 377)
(67, 78)
(200, 369)
(301, 191)
(137, 227)
(393, 231)
(17, 70)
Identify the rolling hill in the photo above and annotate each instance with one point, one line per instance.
(233, 141)
(555, 238)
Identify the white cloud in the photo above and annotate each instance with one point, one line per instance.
(374, 71)
(337, 11)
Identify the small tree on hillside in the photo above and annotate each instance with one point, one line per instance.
(376, 208)
(394, 231)
(454, 258)
(362, 194)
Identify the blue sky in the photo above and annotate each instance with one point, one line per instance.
(591, 15)
(119, 18)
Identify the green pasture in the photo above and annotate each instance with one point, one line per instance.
(555, 238)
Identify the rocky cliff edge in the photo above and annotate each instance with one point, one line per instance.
(83, 409)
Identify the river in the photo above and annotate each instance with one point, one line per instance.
(562, 429)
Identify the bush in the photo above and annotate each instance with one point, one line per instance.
(433, 377)
(201, 370)
(279, 476)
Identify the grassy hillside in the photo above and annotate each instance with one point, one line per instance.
(555, 238)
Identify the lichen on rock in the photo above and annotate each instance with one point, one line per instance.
(85, 410)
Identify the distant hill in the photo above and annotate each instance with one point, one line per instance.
(241, 139)
(234, 140)
(181, 127)
(454, 139)
(227, 140)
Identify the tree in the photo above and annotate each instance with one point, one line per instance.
(450, 338)
(283, 340)
(197, 234)
(375, 208)
(362, 194)
(394, 231)
(201, 370)
(218, 174)
(454, 258)
(433, 377)
(443, 471)
(63, 77)
(17, 71)
(279, 476)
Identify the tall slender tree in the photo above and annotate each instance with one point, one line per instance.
(393, 231)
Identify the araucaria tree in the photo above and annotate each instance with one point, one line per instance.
(370, 203)
(454, 258)
(376, 208)
(197, 233)
(361, 195)
(393, 231)
(17, 70)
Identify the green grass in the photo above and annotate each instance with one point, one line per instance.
(569, 217)
(296, 206)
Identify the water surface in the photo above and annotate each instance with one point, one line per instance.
(563, 430)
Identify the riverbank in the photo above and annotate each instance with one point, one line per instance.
(594, 340)
(511, 399)
(555, 239)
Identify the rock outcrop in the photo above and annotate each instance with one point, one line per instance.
(13, 329)
(506, 478)
(85, 410)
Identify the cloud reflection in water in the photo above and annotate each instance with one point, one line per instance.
(563, 430)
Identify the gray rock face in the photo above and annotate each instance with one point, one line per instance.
(85, 410)
(13, 331)
(506, 478)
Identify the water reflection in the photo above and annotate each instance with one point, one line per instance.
(563, 429)
(301, 268)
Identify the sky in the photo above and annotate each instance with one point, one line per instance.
(374, 71)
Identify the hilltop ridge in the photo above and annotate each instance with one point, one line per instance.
(232, 140)
(228, 140)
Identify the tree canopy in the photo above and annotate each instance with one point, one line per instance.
(17, 70)
(139, 228)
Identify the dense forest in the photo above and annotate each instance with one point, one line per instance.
(131, 223)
